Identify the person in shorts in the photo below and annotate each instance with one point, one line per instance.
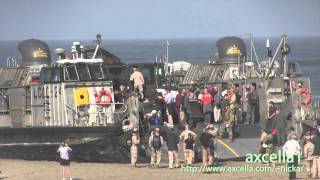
(64, 152)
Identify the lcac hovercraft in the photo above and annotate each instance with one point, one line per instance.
(72, 100)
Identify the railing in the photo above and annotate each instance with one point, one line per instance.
(103, 117)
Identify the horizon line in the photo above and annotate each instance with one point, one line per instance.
(161, 38)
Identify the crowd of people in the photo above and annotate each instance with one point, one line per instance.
(172, 121)
(169, 134)
(173, 111)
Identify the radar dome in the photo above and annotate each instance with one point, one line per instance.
(34, 52)
(230, 49)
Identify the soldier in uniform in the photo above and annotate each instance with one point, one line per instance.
(230, 116)
(308, 154)
(155, 143)
(135, 141)
(269, 141)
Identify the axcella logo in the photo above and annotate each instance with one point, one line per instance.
(279, 157)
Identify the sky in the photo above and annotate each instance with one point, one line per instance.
(153, 19)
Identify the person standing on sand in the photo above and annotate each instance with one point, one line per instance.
(155, 143)
(189, 149)
(64, 151)
(135, 141)
(184, 136)
(173, 147)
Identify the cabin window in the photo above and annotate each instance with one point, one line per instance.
(48, 75)
(83, 72)
(106, 73)
(43, 75)
(56, 75)
(115, 70)
(96, 72)
(71, 74)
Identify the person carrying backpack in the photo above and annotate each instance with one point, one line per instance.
(155, 143)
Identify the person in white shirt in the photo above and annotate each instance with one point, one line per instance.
(292, 150)
(64, 151)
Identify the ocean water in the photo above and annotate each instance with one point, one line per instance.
(305, 50)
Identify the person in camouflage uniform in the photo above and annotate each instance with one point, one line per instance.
(135, 141)
(230, 115)
(269, 141)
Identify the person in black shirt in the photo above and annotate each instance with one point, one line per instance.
(253, 102)
(272, 112)
(205, 140)
(172, 143)
(189, 149)
(161, 106)
(186, 106)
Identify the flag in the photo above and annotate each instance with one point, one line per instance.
(168, 43)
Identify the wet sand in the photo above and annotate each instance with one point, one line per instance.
(21, 170)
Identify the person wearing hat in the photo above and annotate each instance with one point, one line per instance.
(135, 141)
(292, 150)
(155, 143)
(138, 80)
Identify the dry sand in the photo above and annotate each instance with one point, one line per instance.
(21, 170)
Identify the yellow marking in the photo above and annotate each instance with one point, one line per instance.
(39, 53)
(229, 148)
(234, 50)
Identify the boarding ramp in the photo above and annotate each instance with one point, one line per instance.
(205, 73)
(246, 141)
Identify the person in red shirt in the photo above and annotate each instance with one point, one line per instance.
(178, 105)
(206, 101)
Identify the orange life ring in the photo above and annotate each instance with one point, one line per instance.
(107, 100)
(306, 92)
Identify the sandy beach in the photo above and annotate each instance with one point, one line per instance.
(20, 169)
